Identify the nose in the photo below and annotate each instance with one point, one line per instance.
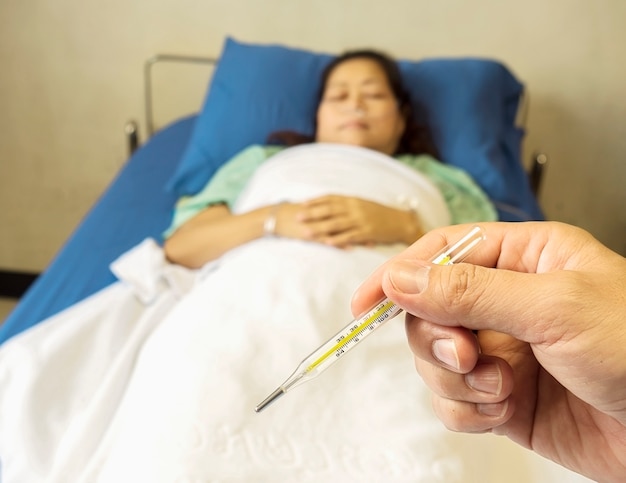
(354, 103)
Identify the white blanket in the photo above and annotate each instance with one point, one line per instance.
(141, 383)
(312, 170)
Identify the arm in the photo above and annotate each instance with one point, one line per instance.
(213, 232)
(334, 220)
(199, 234)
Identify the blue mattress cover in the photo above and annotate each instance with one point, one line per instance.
(134, 206)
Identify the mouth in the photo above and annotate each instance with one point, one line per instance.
(359, 125)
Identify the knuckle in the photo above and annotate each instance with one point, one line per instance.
(457, 286)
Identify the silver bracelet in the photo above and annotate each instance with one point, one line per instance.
(269, 225)
(413, 208)
(410, 204)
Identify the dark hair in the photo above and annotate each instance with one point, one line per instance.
(416, 138)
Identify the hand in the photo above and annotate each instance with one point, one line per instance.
(344, 221)
(547, 364)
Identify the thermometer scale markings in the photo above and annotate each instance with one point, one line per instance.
(379, 315)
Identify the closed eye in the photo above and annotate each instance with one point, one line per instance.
(334, 97)
(376, 95)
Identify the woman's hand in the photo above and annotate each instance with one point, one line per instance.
(345, 221)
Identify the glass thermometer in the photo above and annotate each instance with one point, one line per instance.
(357, 330)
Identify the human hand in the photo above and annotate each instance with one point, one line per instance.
(547, 365)
(344, 221)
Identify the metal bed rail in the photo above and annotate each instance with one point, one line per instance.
(131, 128)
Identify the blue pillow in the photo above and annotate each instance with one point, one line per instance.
(470, 105)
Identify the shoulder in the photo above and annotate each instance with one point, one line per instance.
(430, 165)
(422, 162)
(447, 177)
(421, 159)
(252, 156)
(259, 151)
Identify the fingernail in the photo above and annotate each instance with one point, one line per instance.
(495, 410)
(485, 378)
(444, 350)
(409, 278)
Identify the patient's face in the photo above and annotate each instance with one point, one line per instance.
(358, 107)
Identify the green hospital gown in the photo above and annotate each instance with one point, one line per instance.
(466, 201)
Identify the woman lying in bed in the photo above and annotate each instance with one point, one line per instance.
(166, 392)
(362, 103)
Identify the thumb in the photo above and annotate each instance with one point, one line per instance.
(474, 297)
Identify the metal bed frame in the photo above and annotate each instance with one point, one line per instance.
(131, 128)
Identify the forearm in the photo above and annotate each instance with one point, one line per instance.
(212, 233)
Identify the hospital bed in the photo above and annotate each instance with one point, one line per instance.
(475, 108)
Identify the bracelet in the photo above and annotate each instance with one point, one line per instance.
(410, 204)
(269, 225)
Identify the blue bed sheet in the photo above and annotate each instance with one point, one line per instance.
(135, 206)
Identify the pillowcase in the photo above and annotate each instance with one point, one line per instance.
(470, 105)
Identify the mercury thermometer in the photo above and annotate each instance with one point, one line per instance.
(357, 330)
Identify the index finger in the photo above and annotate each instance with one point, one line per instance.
(512, 246)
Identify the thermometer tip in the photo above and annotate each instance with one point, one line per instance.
(269, 399)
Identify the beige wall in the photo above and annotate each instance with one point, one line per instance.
(72, 76)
